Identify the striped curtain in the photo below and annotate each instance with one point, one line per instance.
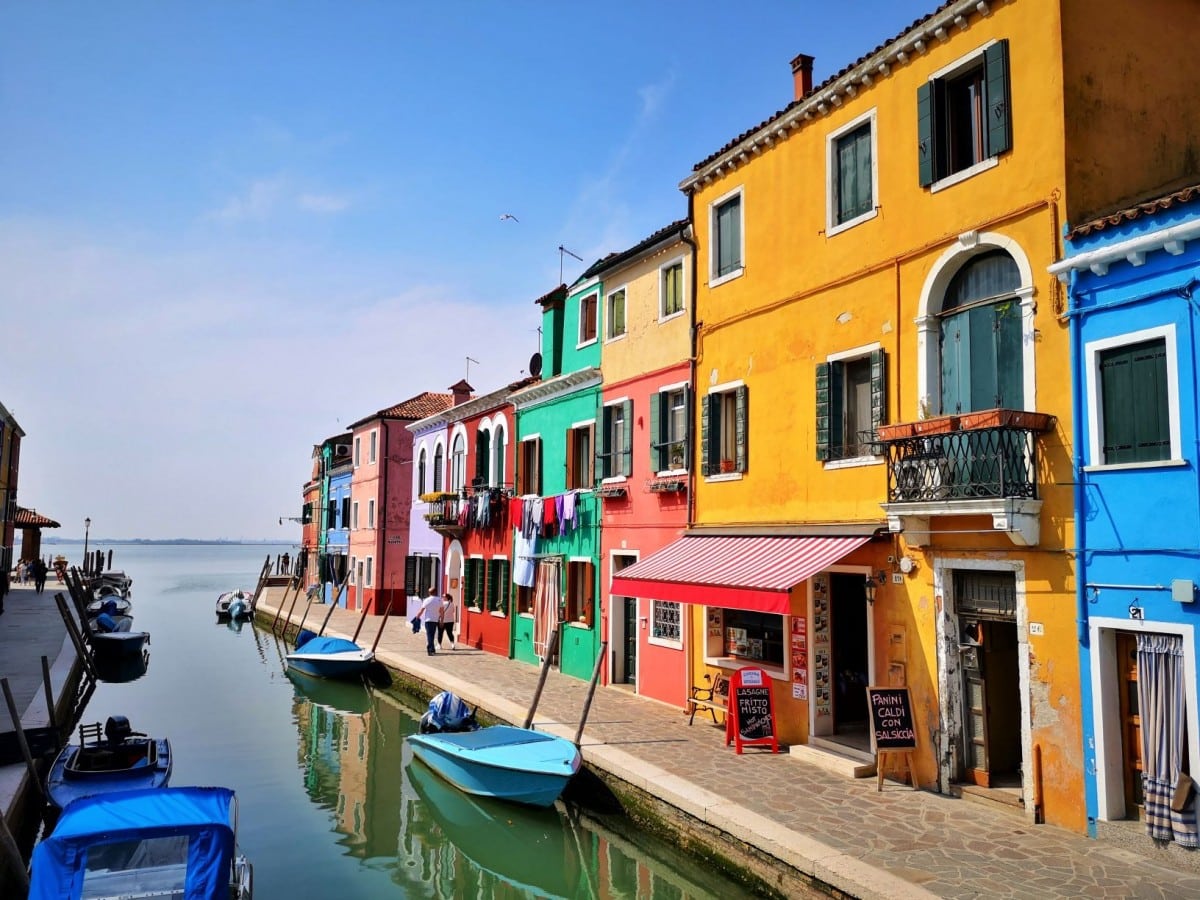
(546, 598)
(1160, 696)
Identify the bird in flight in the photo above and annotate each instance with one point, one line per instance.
(509, 216)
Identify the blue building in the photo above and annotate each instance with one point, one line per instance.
(336, 561)
(1134, 290)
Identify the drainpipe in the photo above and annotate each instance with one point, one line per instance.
(688, 237)
(1081, 613)
(382, 512)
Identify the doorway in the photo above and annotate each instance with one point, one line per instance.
(1131, 724)
(850, 661)
(624, 624)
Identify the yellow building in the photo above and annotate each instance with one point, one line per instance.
(876, 255)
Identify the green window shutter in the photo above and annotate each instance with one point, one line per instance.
(491, 583)
(707, 454)
(742, 427)
(504, 586)
(955, 353)
(410, 576)
(422, 576)
(878, 388)
(627, 449)
(998, 94)
(1010, 368)
(604, 417)
(823, 371)
(656, 438)
(687, 428)
(926, 152)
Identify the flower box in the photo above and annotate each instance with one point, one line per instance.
(895, 432)
(936, 425)
(1007, 418)
(729, 465)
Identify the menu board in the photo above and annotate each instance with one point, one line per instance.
(891, 718)
(751, 718)
(822, 651)
(799, 646)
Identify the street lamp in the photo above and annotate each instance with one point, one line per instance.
(87, 526)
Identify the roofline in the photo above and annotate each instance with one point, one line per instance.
(462, 411)
(935, 26)
(675, 233)
(553, 387)
(798, 529)
(1172, 239)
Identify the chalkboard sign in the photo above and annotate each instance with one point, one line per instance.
(891, 718)
(751, 718)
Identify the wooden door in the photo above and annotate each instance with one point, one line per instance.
(1131, 724)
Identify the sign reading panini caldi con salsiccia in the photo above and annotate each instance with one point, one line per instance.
(891, 718)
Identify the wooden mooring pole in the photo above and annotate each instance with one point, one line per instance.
(34, 776)
(537, 694)
(587, 704)
(50, 702)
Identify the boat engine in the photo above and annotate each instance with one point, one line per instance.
(116, 729)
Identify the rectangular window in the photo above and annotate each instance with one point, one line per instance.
(580, 457)
(1136, 414)
(374, 445)
(670, 418)
(581, 593)
(851, 404)
(726, 230)
(670, 290)
(529, 477)
(525, 600)
(354, 517)
(358, 572)
(588, 307)
(475, 587)
(614, 453)
(852, 173)
(370, 513)
(724, 431)
(345, 520)
(438, 465)
(964, 116)
(370, 571)
(614, 320)
(420, 574)
(357, 451)
(666, 621)
(754, 636)
(498, 586)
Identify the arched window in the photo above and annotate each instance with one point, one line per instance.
(458, 463)
(421, 473)
(980, 336)
(438, 467)
(499, 451)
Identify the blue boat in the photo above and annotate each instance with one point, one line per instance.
(509, 763)
(234, 605)
(120, 760)
(169, 842)
(328, 657)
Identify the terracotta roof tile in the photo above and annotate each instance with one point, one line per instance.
(551, 297)
(615, 259)
(419, 407)
(1145, 208)
(28, 518)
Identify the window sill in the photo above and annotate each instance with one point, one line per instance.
(728, 276)
(496, 614)
(584, 626)
(614, 479)
(670, 473)
(736, 662)
(854, 462)
(724, 476)
(850, 223)
(1152, 464)
(665, 643)
(612, 339)
(475, 609)
(950, 180)
(669, 316)
(586, 343)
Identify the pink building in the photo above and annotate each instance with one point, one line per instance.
(381, 501)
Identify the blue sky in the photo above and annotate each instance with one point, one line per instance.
(228, 230)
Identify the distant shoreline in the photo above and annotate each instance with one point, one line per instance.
(97, 542)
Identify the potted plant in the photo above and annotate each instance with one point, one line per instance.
(895, 432)
(936, 425)
(728, 465)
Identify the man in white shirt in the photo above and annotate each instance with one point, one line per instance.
(431, 615)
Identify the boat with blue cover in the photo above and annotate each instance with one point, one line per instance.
(171, 842)
(234, 605)
(328, 657)
(503, 761)
(120, 759)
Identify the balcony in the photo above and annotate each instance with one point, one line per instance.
(983, 463)
(442, 514)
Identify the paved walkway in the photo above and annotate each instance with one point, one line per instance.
(894, 843)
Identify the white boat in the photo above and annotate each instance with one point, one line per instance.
(237, 604)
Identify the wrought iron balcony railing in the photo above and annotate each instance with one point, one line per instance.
(443, 513)
(983, 463)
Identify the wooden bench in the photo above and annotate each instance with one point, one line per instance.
(712, 697)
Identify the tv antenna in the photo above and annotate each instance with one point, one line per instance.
(561, 251)
(469, 361)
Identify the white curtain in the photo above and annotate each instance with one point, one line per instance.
(546, 598)
(1160, 698)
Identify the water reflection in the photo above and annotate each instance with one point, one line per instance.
(122, 669)
(391, 811)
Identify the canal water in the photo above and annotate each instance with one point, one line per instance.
(331, 802)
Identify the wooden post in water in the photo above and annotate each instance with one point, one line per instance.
(587, 704)
(34, 775)
(12, 853)
(337, 598)
(262, 580)
(295, 582)
(387, 612)
(284, 627)
(307, 607)
(537, 694)
(76, 638)
(50, 701)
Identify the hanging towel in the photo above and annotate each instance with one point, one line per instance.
(524, 565)
(568, 515)
(549, 522)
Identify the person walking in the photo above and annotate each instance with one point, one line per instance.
(38, 570)
(431, 613)
(446, 620)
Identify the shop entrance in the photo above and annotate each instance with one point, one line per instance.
(988, 652)
(849, 659)
(1131, 724)
(624, 624)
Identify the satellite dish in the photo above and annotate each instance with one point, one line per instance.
(535, 365)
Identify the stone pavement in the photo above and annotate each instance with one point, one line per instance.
(894, 843)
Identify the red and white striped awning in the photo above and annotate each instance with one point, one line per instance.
(740, 572)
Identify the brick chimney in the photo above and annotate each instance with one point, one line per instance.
(462, 391)
(802, 75)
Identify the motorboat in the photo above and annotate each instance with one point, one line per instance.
(112, 582)
(108, 622)
(122, 669)
(117, 643)
(329, 657)
(502, 761)
(167, 842)
(448, 713)
(120, 759)
(110, 604)
(237, 604)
